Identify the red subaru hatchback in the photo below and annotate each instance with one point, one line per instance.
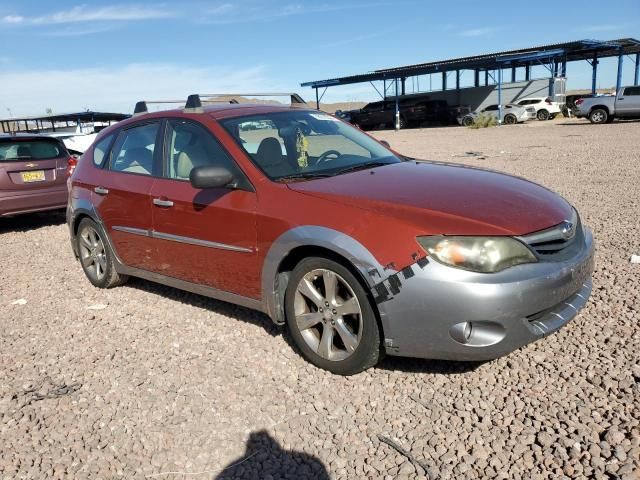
(357, 249)
(33, 174)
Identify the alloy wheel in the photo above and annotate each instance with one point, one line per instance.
(92, 253)
(598, 116)
(328, 314)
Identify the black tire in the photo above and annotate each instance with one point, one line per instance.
(543, 114)
(98, 259)
(467, 121)
(599, 116)
(403, 123)
(368, 350)
(510, 119)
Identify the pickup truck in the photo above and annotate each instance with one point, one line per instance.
(625, 104)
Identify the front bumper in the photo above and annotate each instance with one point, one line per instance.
(506, 310)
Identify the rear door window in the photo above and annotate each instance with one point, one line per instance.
(133, 150)
(24, 150)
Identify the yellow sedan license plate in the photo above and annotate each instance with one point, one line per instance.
(33, 176)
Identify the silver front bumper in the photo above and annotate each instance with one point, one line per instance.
(506, 310)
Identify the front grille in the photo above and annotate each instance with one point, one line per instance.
(557, 242)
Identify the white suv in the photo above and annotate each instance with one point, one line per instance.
(546, 109)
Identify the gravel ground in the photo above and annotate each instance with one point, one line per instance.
(147, 381)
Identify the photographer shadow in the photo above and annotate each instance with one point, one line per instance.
(264, 458)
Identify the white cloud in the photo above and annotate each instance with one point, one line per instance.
(268, 11)
(117, 89)
(478, 32)
(86, 13)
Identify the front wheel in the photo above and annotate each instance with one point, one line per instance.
(96, 257)
(510, 119)
(599, 115)
(331, 318)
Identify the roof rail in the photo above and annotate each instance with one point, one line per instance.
(141, 106)
(195, 101)
(294, 97)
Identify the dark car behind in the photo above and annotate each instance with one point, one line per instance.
(33, 174)
(414, 111)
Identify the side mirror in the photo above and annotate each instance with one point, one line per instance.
(385, 143)
(211, 177)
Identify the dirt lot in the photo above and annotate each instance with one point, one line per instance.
(147, 381)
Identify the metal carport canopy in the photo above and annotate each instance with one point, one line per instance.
(560, 52)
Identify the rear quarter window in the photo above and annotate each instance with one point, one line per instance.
(21, 150)
(101, 149)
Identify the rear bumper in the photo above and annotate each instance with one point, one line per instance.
(14, 203)
(427, 317)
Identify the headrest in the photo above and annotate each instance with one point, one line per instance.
(269, 152)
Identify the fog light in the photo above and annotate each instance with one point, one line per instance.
(477, 334)
(461, 332)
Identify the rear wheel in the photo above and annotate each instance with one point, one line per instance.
(96, 257)
(330, 317)
(598, 115)
(467, 121)
(510, 119)
(543, 114)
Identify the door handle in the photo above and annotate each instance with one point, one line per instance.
(101, 190)
(162, 203)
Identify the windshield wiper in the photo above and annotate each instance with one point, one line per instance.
(302, 176)
(361, 166)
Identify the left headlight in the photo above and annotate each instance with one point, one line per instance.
(478, 254)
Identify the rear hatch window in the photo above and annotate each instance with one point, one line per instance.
(27, 164)
(22, 150)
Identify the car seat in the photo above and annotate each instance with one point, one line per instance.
(139, 160)
(269, 157)
(193, 155)
(24, 151)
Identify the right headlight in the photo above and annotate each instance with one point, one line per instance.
(477, 254)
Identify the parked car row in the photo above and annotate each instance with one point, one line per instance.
(326, 230)
(419, 110)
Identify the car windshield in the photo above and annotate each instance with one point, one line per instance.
(17, 150)
(303, 144)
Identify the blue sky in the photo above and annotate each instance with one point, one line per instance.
(67, 55)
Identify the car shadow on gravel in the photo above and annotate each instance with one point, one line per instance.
(265, 458)
(215, 306)
(32, 221)
(420, 365)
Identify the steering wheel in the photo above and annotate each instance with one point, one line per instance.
(325, 156)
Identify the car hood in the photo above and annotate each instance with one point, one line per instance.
(440, 198)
